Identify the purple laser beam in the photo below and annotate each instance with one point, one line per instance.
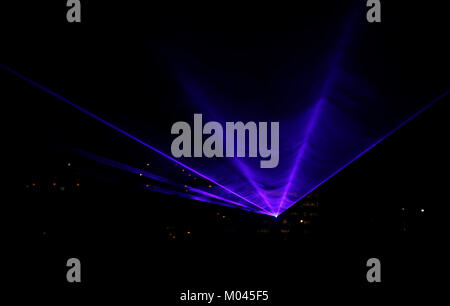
(85, 111)
(371, 147)
(122, 166)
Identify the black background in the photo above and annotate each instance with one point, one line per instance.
(121, 237)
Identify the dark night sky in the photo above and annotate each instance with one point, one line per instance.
(110, 221)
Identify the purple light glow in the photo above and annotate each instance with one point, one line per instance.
(250, 204)
(371, 147)
(326, 142)
(171, 185)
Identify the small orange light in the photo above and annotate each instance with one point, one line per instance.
(140, 174)
(147, 185)
(188, 233)
(54, 184)
(209, 185)
(78, 184)
(147, 164)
